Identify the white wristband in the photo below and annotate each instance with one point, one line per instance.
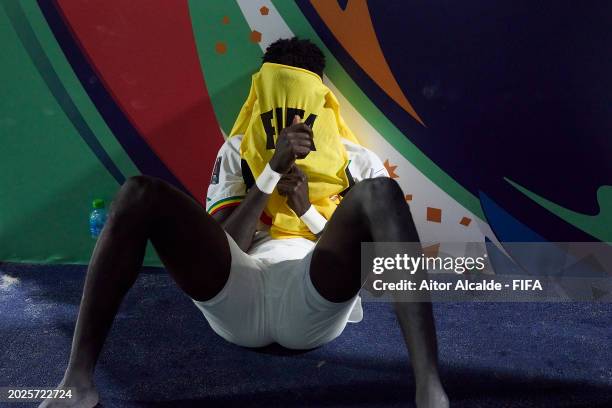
(267, 180)
(313, 220)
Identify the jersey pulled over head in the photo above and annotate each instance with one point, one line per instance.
(278, 92)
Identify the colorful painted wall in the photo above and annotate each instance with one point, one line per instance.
(494, 117)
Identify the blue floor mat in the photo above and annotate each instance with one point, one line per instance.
(162, 353)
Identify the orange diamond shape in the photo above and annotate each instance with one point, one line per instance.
(434, 214)
(465, 221)
(220, 47)
(431, 251)
(225, 20)
(264, 11)
(255, 36)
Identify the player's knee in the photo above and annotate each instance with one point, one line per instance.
(139, 189)
(379, 188)
(377, 196)
(134, 199)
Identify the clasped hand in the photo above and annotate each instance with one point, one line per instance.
(294, 142)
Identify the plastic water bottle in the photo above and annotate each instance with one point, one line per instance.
(97, 218)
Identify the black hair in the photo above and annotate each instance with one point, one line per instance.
(301, 53)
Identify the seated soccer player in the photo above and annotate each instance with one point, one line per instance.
(276, 256)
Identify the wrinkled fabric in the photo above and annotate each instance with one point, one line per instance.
(278, 92)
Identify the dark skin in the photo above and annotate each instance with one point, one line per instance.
(195, 251)
(415, 317)
(294, 186)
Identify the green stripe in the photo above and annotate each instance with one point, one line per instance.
(300, 26)
(52, 175)
(228, 76)
(598, 225)
(84, 105)
(45, 198)
(224, 200)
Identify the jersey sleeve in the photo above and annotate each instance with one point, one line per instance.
(364, 163)
(376, 167)
(227, 187)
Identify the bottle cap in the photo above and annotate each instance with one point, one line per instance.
(98, 203)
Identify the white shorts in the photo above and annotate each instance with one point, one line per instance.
(261, 304)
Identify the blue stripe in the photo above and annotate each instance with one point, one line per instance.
(132, 142)
(35, 51)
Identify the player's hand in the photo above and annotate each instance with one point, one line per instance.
(294, 142)
(294, 185)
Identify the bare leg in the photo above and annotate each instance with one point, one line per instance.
(192, 246)
(375, 210)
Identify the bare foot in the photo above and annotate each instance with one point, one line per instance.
(83, 396)
(431, 394)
